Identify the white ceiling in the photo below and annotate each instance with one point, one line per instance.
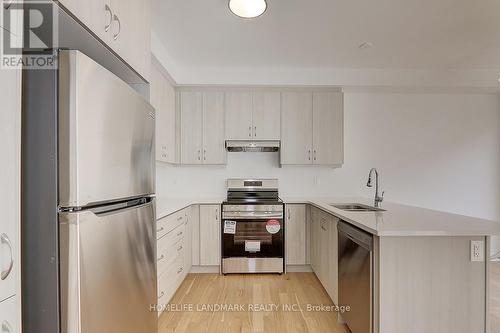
(418, 34)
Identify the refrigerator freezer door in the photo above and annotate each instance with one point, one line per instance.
(108, 270)
(106, 135)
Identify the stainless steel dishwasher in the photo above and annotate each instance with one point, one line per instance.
(356, 277)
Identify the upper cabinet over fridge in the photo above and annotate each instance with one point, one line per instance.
(123, 25)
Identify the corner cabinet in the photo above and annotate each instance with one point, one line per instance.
(312, 128)
(295, 234)
(324, 250)
(253, 115)
(202, 128)
(123, 25)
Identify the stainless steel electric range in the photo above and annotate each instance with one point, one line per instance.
(253, 235)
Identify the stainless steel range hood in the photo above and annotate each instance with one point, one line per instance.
(252, 146)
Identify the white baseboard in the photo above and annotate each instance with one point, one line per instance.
(205, 269)
(298, 268)
(216, 269)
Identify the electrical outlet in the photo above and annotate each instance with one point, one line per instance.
(477, 251)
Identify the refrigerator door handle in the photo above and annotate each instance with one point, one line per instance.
(104, 210)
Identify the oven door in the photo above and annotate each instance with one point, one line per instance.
(252, 237)
(253, 245)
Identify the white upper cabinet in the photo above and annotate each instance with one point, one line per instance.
(124, 25)
(296, 128)
(312, 128)
(239, 116)
(202, 127)
(266, 115)
(191, 105)
(253, 115)
(213, 128)
(328, 128)
(163, 99)
(93, 14)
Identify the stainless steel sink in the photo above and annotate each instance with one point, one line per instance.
(357, 207)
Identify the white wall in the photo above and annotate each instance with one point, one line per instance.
(439, 151)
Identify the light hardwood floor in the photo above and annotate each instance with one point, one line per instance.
(199, 290)
(495, 297)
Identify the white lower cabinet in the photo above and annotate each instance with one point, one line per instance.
(173, 253)
(210, 230)
(324, 250)
(9, 317)
(295, 234)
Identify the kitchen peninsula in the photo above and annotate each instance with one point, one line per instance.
(422, 270)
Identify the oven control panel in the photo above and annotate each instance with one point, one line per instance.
(252, 208)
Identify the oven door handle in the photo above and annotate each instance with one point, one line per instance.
(251, 215)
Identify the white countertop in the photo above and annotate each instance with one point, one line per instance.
(397, 220)
(166, 206)
(404, 220)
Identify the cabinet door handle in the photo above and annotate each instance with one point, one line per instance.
(179, 218)
(309, 154)
(161, 294)
(6, 327)
(216, 214)
(4, 239)
(289, 213)
(314, 154)
(204, 154)
(323, 228)
(108, 25)
(179, 233)
(255, 131)
(161, 257)
(7, 4)
(179, 248)
(161, 229)
(115, 18)
(199, 155)
(180, 270)
(250, 131)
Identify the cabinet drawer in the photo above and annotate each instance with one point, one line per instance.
(173, 236)
(168, 251)
(170, 280)
(169, 255)
(170, 222)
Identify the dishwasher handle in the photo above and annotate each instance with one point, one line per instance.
(356, 235)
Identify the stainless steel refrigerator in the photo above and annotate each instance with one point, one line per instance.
(88, 204)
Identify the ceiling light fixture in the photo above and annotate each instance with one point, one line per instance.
(247, 8)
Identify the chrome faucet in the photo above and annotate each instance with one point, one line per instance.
(378, 198)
